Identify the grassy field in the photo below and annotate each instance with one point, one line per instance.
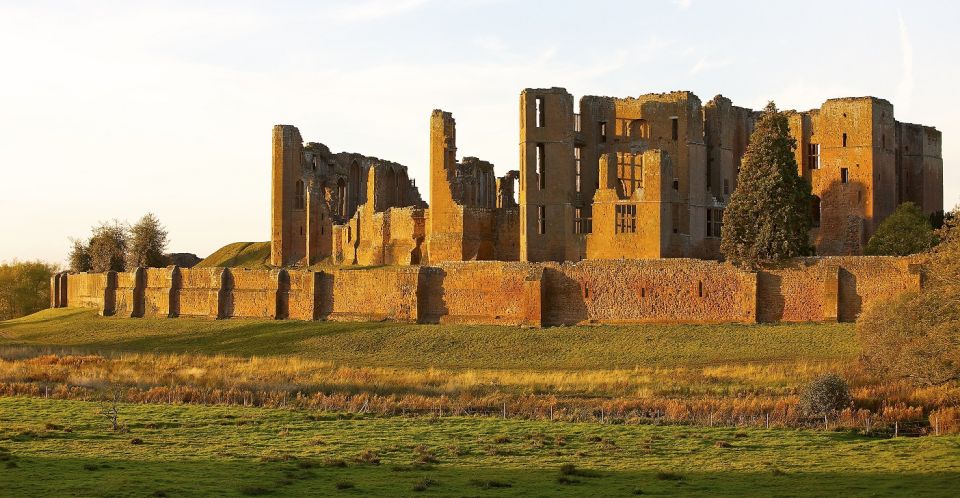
(402, 409)
(440, 346)
(56, 448)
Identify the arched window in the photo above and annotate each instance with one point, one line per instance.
(300, 195)
(815, 211)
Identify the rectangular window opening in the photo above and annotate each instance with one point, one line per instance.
(675, 128)
(541, 220)
(577, 152)
(541, 167)
(844, 139)
(844, 175)
(603, 131)
(700, 288)
(541, 113)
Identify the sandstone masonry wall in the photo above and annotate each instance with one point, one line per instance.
(493, 292)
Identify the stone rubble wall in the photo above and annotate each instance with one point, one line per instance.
(509, 293)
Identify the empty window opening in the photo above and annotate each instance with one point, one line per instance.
(301, 229)
(541, 167)
(603, 131)
(578, 220)
(815, 211)
(625, 218)
(628, 173)
(675, 128)
(676, 184)
(844, 139)
(813, 156)
(844, 175)
(859, 197)
(643, 292)
(541, 220)
(726, 187)
(883, 141)
(541, 113)
(700, 288)
(299, 199)
(576, 123)
(577, 153)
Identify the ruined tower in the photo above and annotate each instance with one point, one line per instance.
(548, 176)
(288, 198)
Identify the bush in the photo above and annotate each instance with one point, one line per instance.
(24, 288)
(906, 231)
(825, 394)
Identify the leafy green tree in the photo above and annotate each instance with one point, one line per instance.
(916, 336)
(147, 243)
(108, 247)
(768, 216)
(79, 256)
(906, 231)
(24, 288)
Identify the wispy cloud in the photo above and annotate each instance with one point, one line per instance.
(905, 88)
(372, 10)
(682, 4)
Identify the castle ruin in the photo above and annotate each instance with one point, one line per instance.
(625, 178)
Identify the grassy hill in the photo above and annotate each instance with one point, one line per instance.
(253, 255)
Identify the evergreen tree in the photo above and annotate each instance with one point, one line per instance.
(108, 247)
(768, 217)
(147, 244)
(906, 231)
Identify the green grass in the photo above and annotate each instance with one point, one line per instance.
(61, 448)
(253, 255)
(442, 346)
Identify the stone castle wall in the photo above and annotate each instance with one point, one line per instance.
(492, 292)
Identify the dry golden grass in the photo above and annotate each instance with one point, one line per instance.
(731, 394)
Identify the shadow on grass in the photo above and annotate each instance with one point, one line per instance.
(231, 476)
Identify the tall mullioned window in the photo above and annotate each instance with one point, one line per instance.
(625, 218)
(813, 156)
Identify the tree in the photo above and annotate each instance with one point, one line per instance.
(916, 336)
(147, 244)
(906, 231)
(768, 216)
(108, 247)
(24, 288)
(79, 256)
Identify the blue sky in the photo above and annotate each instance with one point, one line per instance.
(113, 109)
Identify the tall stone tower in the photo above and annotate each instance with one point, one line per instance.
(287, 213)
(547, 176)
(446, 216)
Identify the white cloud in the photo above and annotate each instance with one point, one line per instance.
(682, 4)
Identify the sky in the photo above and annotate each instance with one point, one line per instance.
(110, 110)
